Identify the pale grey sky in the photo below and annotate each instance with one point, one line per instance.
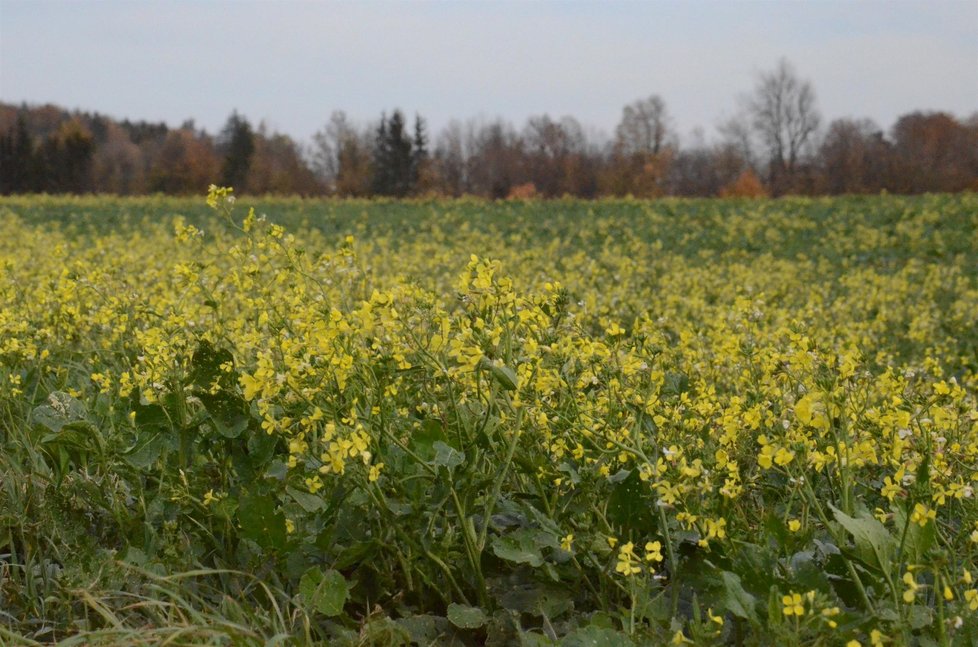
(291, 63)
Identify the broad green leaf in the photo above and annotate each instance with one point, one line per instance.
(423, 440)
(505, 376)
(205, 366)
(324, 591)
(424, 629)
(61, 409)
(447, 456)
(227, 413)
(260, 522)
(517, 547)
(874, 544)
(308, 502)
(146, 450)
(502, 374)
(738, 601)
(921, 616)
(596, 637)
(919, 539)
(630, 505)
(537, 600)
(466, 617)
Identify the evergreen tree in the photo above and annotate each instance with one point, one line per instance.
(64, 160)
(18, 165)
(382, 182)
(401, 158)
(419, 156)
(393, 157)
(237, 144)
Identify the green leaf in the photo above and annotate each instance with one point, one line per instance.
(873, 543)
(325, 592)
(260, 522)
(505, 376)
(227, 413)
(308, 502)
(596, 637)
(205, 366)
(738, 601)
(518, 547)
(918, 540)
(424, 629)
(630, 505)
(147, 449)
(502, 374)
(423, 440)
(675, 383)
(61, 409)
(447, 456)
(466, 617)
(921, 616)
(537, 600)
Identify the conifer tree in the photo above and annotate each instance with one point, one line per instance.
(237, 144)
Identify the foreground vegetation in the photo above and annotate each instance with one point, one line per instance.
(710, 422)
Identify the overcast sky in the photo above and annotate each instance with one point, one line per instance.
(291, 63)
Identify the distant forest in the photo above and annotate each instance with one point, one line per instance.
(776, 144)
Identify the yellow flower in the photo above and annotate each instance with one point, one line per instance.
(794, 525)
(922, 515)
(783, 456)
(375, 472)
(314, 483)
(653, 551)
(793, 605)
(829, 613)
(890, 489)
(627, 562)
(251, 386)
(567, 542)
(911, 592)
(971, 597)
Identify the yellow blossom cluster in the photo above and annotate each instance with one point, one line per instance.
(741, 362)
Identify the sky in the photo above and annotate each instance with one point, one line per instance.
(290, 63)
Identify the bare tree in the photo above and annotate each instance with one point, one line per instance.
(341, 156)
(738, 139)
(784, 116)
(450, 160)
(644, 127)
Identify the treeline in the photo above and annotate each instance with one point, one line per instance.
(775, 144)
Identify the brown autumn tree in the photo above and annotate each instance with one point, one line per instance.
(118, 166)
(185, 163)
(277, 167)
(933, 151)
(642, 151)
(747, 185)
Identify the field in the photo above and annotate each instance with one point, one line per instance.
(606, 423)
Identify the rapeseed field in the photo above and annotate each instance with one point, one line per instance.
(462, 422)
